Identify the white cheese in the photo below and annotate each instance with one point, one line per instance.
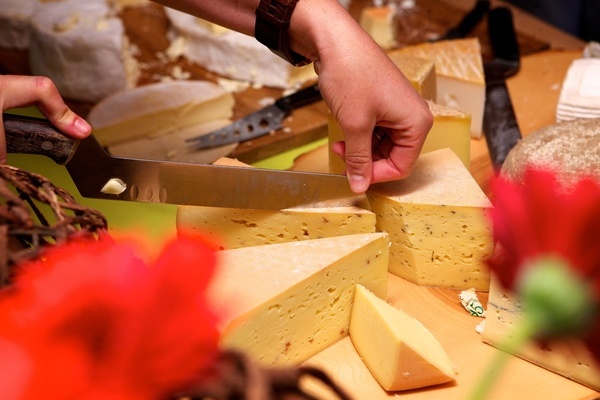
(400, 352)
(436, 222)
(580, 93)
(15, 25)
(234, 55)
(283, 303)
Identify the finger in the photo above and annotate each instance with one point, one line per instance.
(2, 142)
(359, 161)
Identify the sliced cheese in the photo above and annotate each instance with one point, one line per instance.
(436, 222)
(451, 129)
(158, 109)
(421, 75)
(377, 22)
(283, 303)
(82, 47)
(460, 78)
(570, 359)
(235, 55)
(15, 25)
(400, 352)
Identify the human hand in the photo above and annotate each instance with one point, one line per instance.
(25, 91)
(365, 91)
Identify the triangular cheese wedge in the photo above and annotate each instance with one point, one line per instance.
(399, 351)
(283, 303)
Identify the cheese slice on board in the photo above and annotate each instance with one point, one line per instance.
(158, 109)
(436, 222)
(451, 129)
(400, 352)
(377, 22)
(283, 303)
(570, 359)
(234, 55)
(459, 75)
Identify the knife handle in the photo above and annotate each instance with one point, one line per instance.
(308, 95)
(27, 135)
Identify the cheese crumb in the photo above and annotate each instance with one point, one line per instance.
(114, 186)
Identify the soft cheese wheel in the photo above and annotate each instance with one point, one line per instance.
(285, 302)
(15, 25)
(436, 221)
(158, 109)
(570, 148)
(234, 55)
(460, 78)
(569, 358)
(82, 47)
(400, 352)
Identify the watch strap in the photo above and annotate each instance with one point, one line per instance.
(272, 29)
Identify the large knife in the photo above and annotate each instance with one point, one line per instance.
(259, 123)
(91, 168)
(500, 125)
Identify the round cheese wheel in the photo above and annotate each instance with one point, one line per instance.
(571, 148)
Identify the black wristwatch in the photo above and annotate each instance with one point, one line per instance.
(271, 29)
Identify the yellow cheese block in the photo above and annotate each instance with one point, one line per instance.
(459, 75)
(436, 222)
(421, 75)
(158, 109)
(400, 352)
(377, 22)
(450, 129)
(286, 302)
(567, 358)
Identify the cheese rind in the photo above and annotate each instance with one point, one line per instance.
(569, 358)
(436, 222)
(286, 302)
(460, 78)
(400, 352)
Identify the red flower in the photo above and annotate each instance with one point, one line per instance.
(541, 219)
(93, 320)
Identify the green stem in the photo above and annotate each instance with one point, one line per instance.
(524, 332)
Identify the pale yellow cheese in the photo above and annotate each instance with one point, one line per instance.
(400, 352)
(377, 22)
(567, 358)
(436, 222)
(460, 78)
(158, 109)
(450, 129)
(283, 303)
(421, 75)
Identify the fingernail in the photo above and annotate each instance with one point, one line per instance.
(82, 126)
(358, 183)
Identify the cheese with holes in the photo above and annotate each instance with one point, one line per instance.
(436, 221)
(567, 358)
(286, 302)
(158, 109)
(234, 55)
(377, 22)
(421, 75)
(400, 352)
(82, 47)
(450, 129)
(238, 227)
(459, 75)
(15, 26)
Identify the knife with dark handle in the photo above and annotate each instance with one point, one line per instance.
(468, 22)
(500, 126)
(91, 168)
(259, 123)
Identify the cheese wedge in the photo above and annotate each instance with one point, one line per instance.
(436, 222)
(377, 22)
(451, 129)
(570, 359)
(82, 47)
(400, 352)
(459, 75)
(283, 303)
(158, 109)
(234, 55)
(421, 75)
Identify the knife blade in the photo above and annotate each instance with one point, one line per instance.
(259, 123)
(150, 181)
(500, 126)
